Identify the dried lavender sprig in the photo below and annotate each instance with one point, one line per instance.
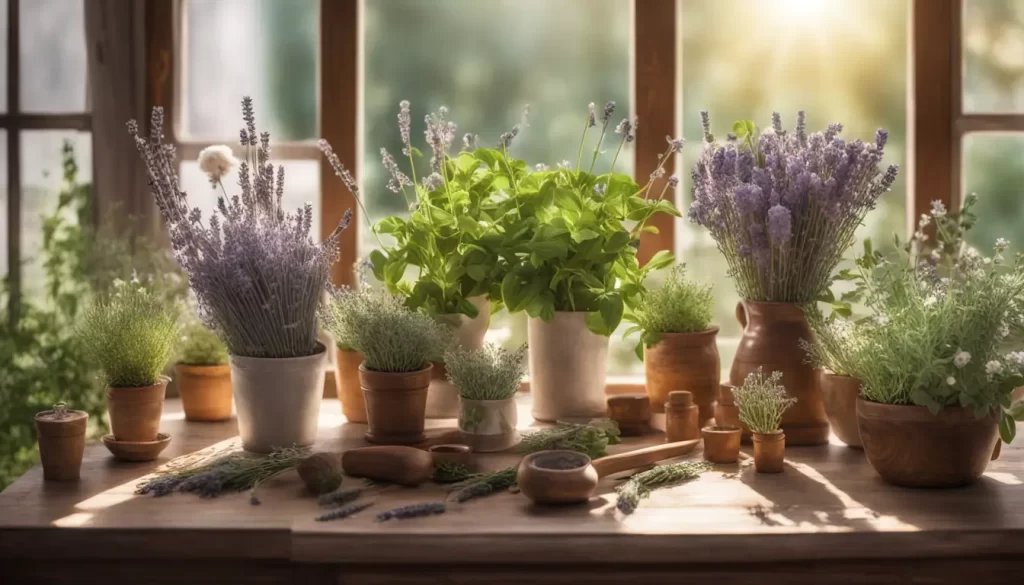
(484, 485)
(341, 497)
(413, 511)
(640, 485)
(344, 512)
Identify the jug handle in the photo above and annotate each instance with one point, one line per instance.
(741, 314)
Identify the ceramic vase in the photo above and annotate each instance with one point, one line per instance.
(278, 400)
(135, 412)
(771, 340)
(396, 404)
(488, 425)
(61, 435)
(769, 452)
(205, 391)
(443, 397)
(684, 361)
(346, 378)
(567, 368)
(840, 396)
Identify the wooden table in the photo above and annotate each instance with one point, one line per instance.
(827, 519)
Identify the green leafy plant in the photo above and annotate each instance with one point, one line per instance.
(198, 346)
(762, 400)
(391, 336)
(131, 334)
(679, 305)
(837, 341)
(489, 373)
(592, 438)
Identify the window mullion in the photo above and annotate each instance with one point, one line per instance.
(13, 163)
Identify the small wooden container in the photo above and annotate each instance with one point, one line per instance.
(682, 417)
(721, 443)
(632, 412)
(61, 435)
(769, 452)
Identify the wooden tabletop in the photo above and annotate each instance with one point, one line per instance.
(827, 505)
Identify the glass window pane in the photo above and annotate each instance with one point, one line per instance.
(266, 49)
(992, 168)
(840, 61)
(993, 56)
(42, 180)
(53, 57)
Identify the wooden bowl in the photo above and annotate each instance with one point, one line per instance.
(137, 450)
(557, 477)
(451, 453)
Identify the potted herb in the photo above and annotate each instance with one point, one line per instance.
(832, 352)
(397, 344)
(258, 277)
(762, 400)
(937, 385)
(573, 268)
(677, 341)
(204, 377)
(346, 359)
(783, 207)
(487, 379)
(61, 434)
(130, 333)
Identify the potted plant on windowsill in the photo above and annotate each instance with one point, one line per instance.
(487, 379)
(677, 342)
(762, 401)
(397, 344)
(258, 277)
(836, 342)
(204, 377)
(573, 268)
(782, 208)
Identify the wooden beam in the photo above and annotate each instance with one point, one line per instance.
(654, 71)
(989, 123)
(13, 164)
(189, 150)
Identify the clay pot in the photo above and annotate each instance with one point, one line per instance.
(278, 400)
(909, 446)
(443, 396)
(632, 412)
(684, 361)
(396, 404)
(681, 417)
(721, 443)
(557, 477)
(61, 435)
(346, 378)
(489, 425)
(728, 414)
(135, 412)
(771, 340)
(452, 453)
(769, 452)
(840, 396)
(205, 391)
(567, 368)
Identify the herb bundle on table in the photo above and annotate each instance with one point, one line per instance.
(592, 438)
(642, 484)
(231, 473)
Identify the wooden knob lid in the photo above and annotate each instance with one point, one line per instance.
(680, 398)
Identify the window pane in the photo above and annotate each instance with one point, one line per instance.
(992, 169)
(53, 58)
(840, 61)
(266, 49)
(993, 56)
(484, 60)
(42, 178)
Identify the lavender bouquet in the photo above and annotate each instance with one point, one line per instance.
(784, 207)
(256, 272)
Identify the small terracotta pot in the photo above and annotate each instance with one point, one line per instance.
(489, 425)
(452, 453)
(721, 443)
(684, 361)
(346, 378)
(557, 477)
(728, 414)
(396, 405)
(840, 396)
(135, 412)
(909, 446)
(769, 452)
(205, 391)
(61, 434)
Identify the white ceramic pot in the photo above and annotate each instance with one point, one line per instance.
(442, 396)
(278, 400)
(488, 425)
(567, 368)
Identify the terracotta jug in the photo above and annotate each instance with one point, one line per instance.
(684, 361)
(771, 340)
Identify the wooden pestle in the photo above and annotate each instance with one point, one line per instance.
(642, 457)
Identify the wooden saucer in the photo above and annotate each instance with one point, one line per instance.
(137, 450)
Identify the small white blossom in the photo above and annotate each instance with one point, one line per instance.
(962, 358)
(564, 164)
(1016, 358)
(994, 367)
(986, 261)
(936, 256)
(931, 300)
(217, 161)
(951, 381)
(540, 167)
(938, 209)
(1002, 244)
(924, 221)
(1004, 330)
(882, 320)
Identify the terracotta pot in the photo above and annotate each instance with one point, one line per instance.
(205, 391)
(278, 400)
(909, 446)
(489, 425)
(557, 477)
(728, 414)
(396, 405)
(443, 396)
(567, 368)
(840, 396)
(684, 361)
(771, 340)
(346, 378)
(769, 452)
(135, 412)
(61, 434)
(721, 443)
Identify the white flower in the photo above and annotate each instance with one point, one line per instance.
(1004, 330)
(1016, 358)
(951, 381)
(994, 367)
(540, 167)
(565, 164)
(936, 256)
(925, 220)
(882, 320)
(961, 359)
(938, 209)
(931, 300)
(216, 161)
(1002, 244)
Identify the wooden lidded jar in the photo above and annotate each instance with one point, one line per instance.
(61, 435)
(682, 417)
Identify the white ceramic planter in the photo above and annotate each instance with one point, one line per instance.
(567, 368)
(442, 396)
(488, 425)
(278, 400)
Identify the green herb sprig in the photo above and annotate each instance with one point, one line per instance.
(642, 484)
(489, 373)
(679, 305)
(483, 485)
(592, 438)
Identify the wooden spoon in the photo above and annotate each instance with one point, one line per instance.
(642, 457)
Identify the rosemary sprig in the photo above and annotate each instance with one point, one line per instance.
(413, 511)
(642, 484)
(344, 511)
(447, 472)
(592, 438)
(483, 484)
(235, 472)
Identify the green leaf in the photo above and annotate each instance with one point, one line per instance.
(584, 235)
(416, 152)
(1007, 428)
(379, 261)
(390, 225)
(611, 307)
(478, 272)
(660, 260)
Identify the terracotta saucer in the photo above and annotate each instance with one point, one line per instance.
(137, 450)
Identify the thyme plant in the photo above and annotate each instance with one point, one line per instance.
(837, 344)
(762, 400)
(679, 305)
(198, 346)
(489, 373)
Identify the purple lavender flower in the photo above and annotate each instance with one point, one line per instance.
(705, 122)
(433, 181)
(673, 182)
(606, 116)
(469, 141)
(750, 199)
(398, 178)
(675, 144)
(405, 127)
(780, 224)
(801, 127)
(881, 137)
(777, 124)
